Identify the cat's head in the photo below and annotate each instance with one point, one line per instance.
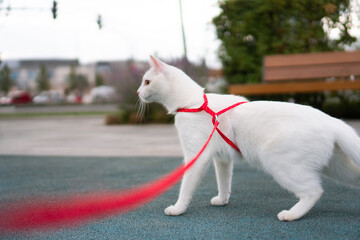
(155, 83)
(169, 86)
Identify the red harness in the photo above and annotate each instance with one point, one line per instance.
(215, 117)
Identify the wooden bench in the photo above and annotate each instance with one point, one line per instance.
(305, 73)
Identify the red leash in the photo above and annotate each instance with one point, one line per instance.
(73, 210)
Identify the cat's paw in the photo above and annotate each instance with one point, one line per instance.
(174, 210)
(286, 215)
(217, 201)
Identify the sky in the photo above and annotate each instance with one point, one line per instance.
(135, 28)
(131, 29)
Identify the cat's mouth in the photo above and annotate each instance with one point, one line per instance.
(149, 98)
(143, 99)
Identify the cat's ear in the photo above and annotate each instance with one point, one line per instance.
(157, 64)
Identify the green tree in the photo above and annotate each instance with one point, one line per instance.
(82, 83)
(6, 82)
(42, 79)
(72, 78)
(251, 29)
(77, 82)
(99, 80)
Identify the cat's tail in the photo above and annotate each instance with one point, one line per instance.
(344, 166)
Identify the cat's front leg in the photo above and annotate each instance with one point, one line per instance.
(223, 170)
(189, 183)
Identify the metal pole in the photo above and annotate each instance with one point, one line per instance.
(183, 31)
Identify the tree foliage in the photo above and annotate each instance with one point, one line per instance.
(72, 78)
(42, 79)
(251, 29)
(6, 82)
(77, 82)
(99, 80)
(82, 83)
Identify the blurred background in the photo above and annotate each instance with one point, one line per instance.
(69, 122)
(88, 57)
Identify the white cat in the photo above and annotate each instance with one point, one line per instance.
(291, 142)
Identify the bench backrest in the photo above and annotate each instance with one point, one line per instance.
(311, 66)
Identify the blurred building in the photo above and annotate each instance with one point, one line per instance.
(124, 76)
(115, 72)
(25, 72)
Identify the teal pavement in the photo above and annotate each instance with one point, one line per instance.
(251, 213)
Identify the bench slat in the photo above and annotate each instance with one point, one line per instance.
(303, 72)
(311, 66)
(291, 87)
(310, 59)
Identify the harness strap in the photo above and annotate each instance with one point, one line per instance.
(215, 117)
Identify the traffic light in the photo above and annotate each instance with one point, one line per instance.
(99, 21)
(54, 9)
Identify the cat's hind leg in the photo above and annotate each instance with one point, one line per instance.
(223, 170)
(306, 186)
(300, 175)
(304, 205)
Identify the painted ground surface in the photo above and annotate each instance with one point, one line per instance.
(251, 213)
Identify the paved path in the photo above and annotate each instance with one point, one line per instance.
(88, 136)
(85, 136)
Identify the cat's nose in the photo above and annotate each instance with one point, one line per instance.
(137, 92)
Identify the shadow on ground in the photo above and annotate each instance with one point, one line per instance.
(251, 213)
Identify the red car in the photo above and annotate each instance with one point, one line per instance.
(20, 97)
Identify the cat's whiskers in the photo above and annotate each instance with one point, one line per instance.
(138, 110)
(141, 108)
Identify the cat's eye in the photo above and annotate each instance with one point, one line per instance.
(147, 82)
